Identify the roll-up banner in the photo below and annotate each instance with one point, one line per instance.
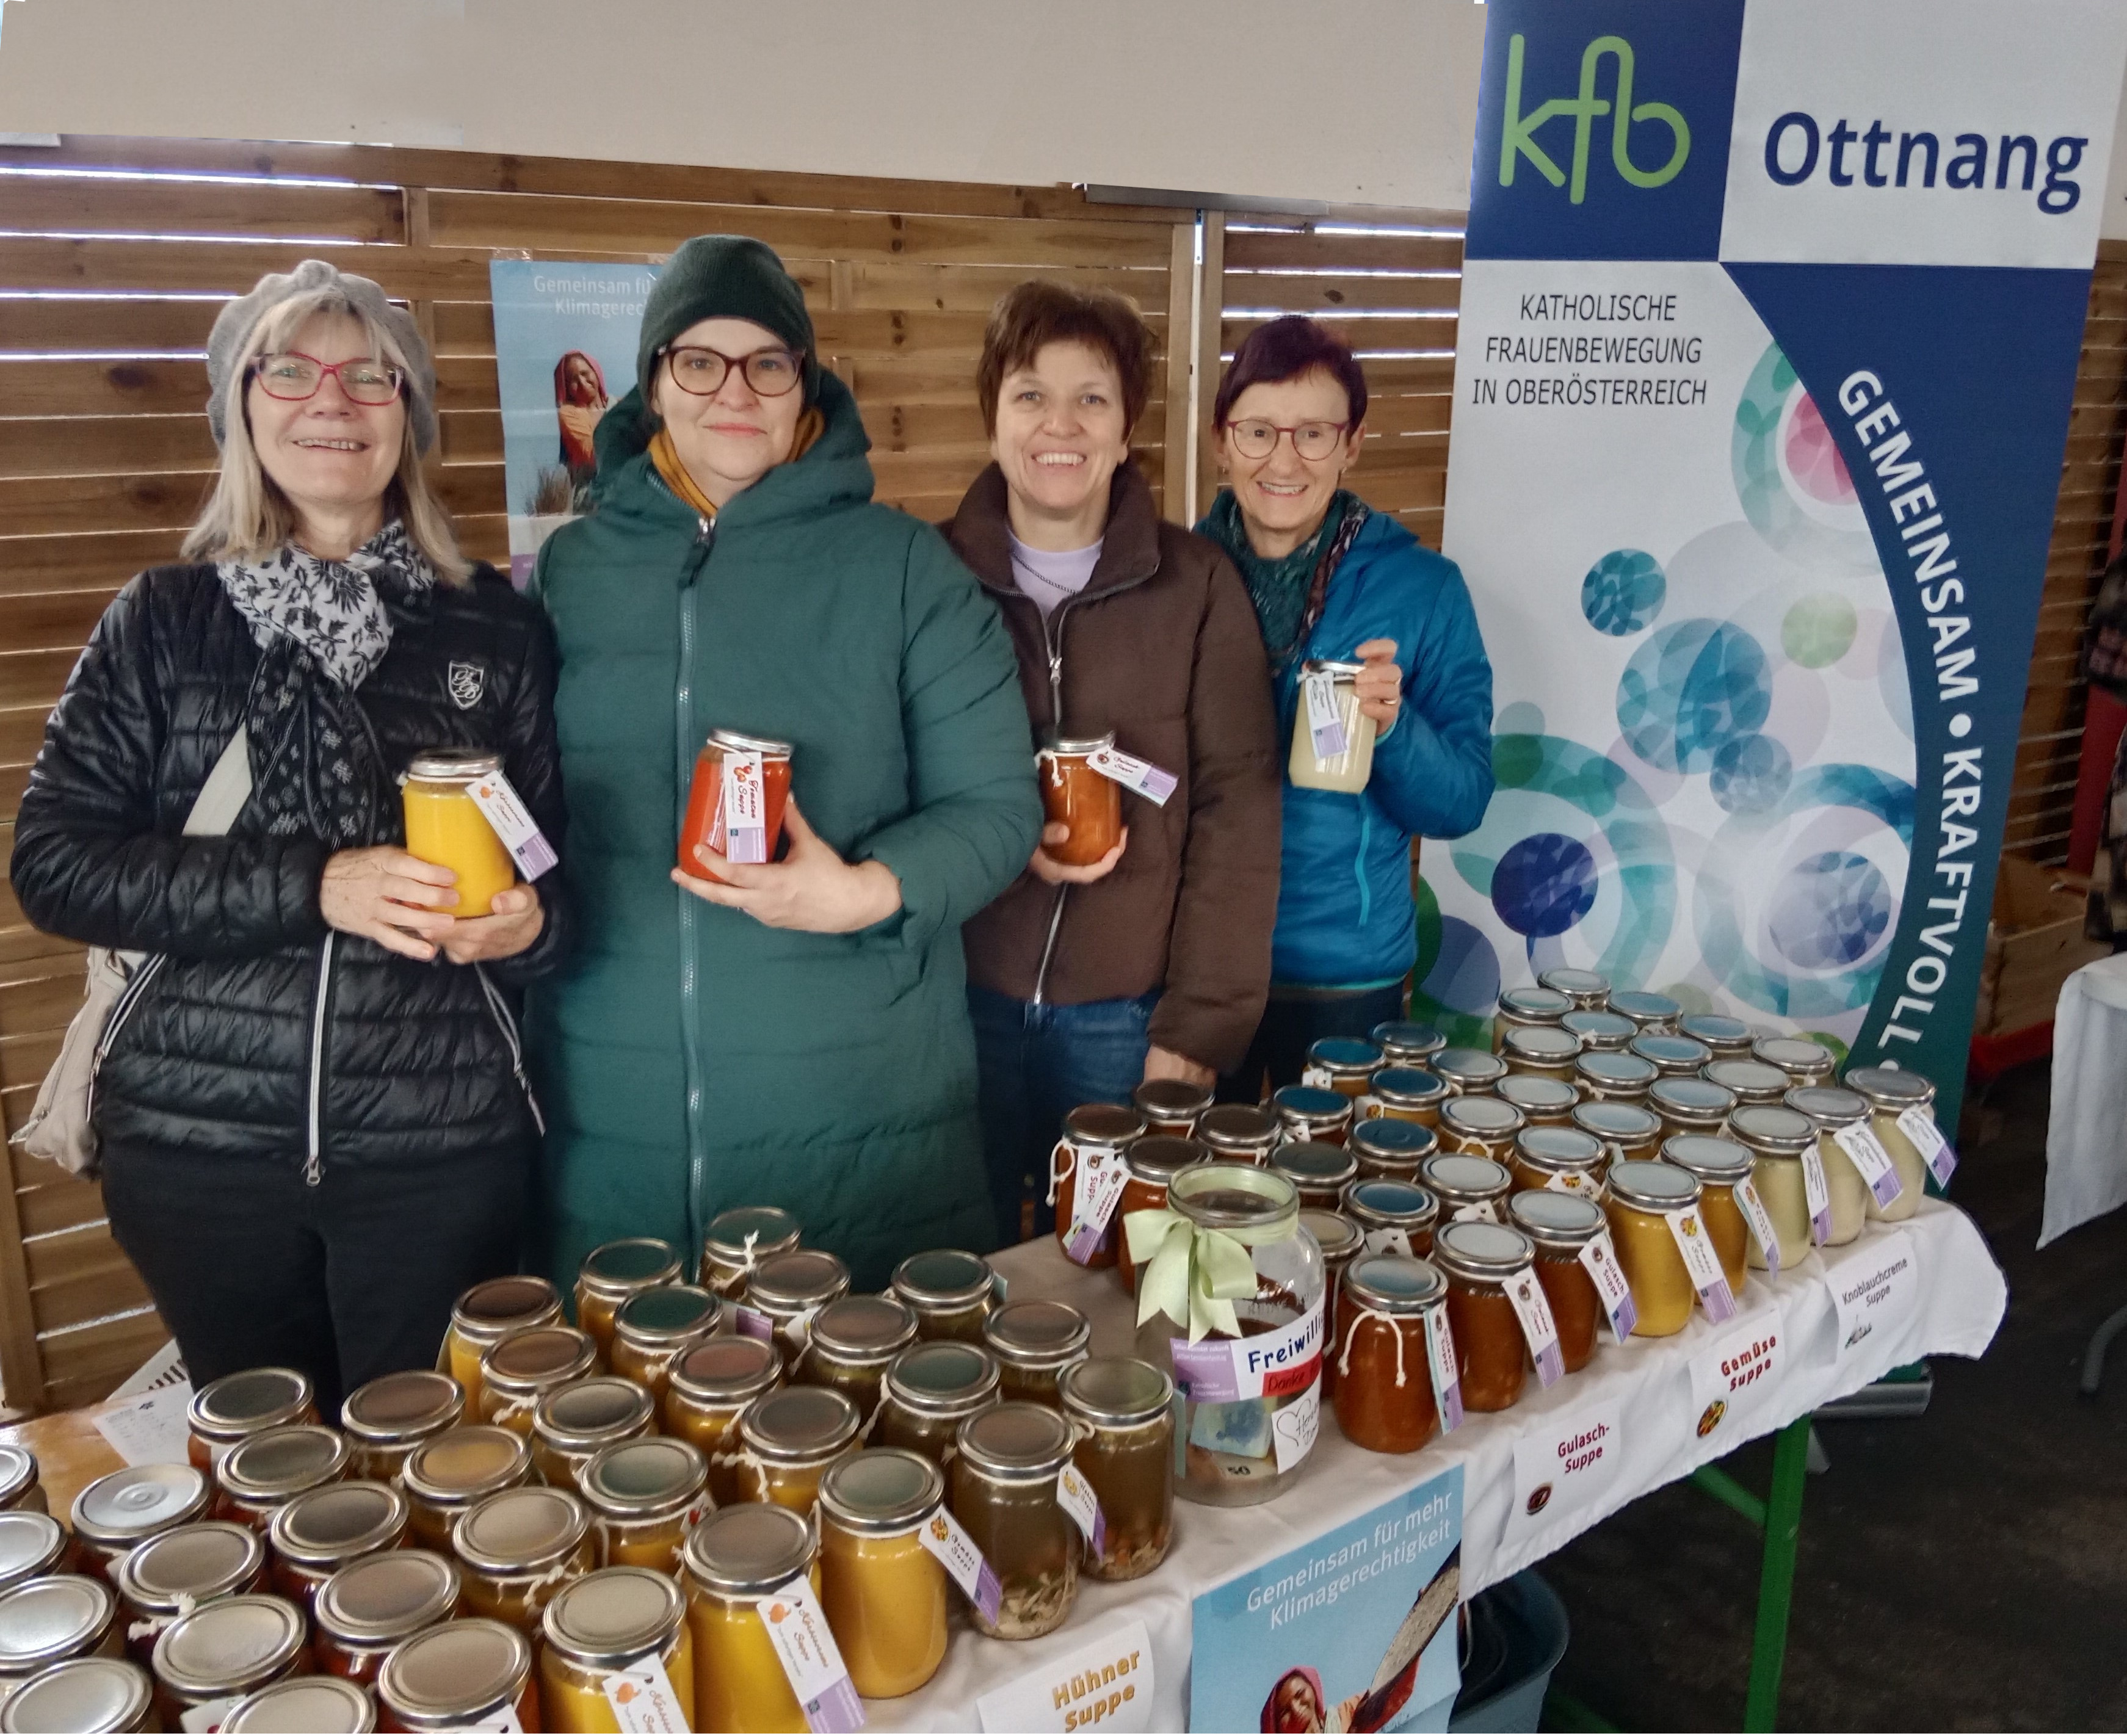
(1770, 315)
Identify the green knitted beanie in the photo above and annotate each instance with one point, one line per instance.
(725, 277)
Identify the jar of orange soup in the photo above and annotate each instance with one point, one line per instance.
(486, 1315)
(317, 1534)
(1308, 1112)
(385, 1419)
(1404, 1094)
(1407, 1044)
(470, 1674)
(1319, 1173)
(446, 828)
(1561, 1159)
(1087, 1171)
(1075, 795)
(1389, 1150)
(1482, 1261)
(573, 1424)
(1343, 1064)
(951, 1291)
(526, 1366)
(445, 1477)
(1171, 1106)
(223, 1412)
(1154, 1161)
(710, 1387)
(1543, 1102)
(739, 1240)
(366, 1609)
(612, 1273)
(645, 1497)
(1562, 1226)
(655, 1328)
(735, 802)
(1240, 1133)
(1383, 1395)
(883, 1591)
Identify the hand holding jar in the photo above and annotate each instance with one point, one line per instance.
(812, 889)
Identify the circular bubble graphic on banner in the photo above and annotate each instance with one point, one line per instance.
(1829, 910)
(1622, 593)
(1790, 481)
(1544, 884)
(1819, 630)
(1751, 774)
(1691, 689)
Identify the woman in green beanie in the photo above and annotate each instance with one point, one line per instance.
(791, 1034)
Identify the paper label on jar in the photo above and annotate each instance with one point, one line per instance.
(1316, 1079)
(1761, 1221)
(945, 1538)
(1817, 1191)
(1533, 1308)
(1440, 1359)
(1598, 1257)
(1936, 1152)
(1861, 1143)
(642, 1700)
(208, 1714)
(1102, 1173)
(1223, 1370)
(1133, 773)
(1325, 720)
(512, 821)
(752, 1323)
(1483, 1212)
(1390, 1240)
(1367, 1107)
(797, 1628)
(1293, 1428)
(1571, 1181)
(742, 821)
(1689, 1231)
(1076, 1497)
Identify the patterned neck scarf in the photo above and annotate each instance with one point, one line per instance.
(322, 627)
(1287, 589)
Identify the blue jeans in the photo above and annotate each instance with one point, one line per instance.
(1036, 1063)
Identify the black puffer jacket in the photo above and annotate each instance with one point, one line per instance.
(261, 1033)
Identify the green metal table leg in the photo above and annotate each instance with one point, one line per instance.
(1783, 1522)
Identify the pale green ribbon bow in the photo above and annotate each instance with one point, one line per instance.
(1191, 1275)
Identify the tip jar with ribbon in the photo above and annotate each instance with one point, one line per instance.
(1230, 1303)
(735, 804)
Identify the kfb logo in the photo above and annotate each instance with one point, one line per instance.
(1517, 132)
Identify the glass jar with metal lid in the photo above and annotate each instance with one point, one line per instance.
(739, 1240)
(1604, 1077)
(790, 1437)
(1729, 1038)
(931, 1390)
(615, 1271)
(1392, 1217)
(526, 1366)
(1890, 1092)
(303, 1703)
(1121, 1413)
(468, 1674)
(1752, 1082)
(573, 1423)
(1467, 1187)
(1034, 1342)
(1339, 759)
(788, 1289)
(1721, 1167)
(951, 1292)
(319, 1532)
(1403, 1094)
(1343, 1064)
(180, 1570)
(223, 1650)
(366, 1609)
(617, 1622)
(1691, 1106)
(1647, 1010)
(47, 1621)
(33, 1545)
(1561, 1226)
(853, 1341)
(1078, 796)
(1805, 1061)
(116, 1512)
(1391, 1150)
(1154, 1161)
(445, 1477)
(1671, 1054)
(1831, 1109)
(1089, 1160)
(264, 1472)
(1779, 1139)
(520, 1548)
(644, 1497)
(1641, 1197)
(1480, 1260)
(884, 1592)
(1468, 1072)
(1527, 1008)
(385, 1419)
(20, 1485)
(82, 1693)
(1629, 1131)
(654, 1326)
(1599, 1032)
(484, 1316)
(1407, 1044)
(1004, 1494)
(712, 1386)
(1584, 989)
(1319, 1172)
(1240, 1133)
(1539, 1052)
(1484, 1127)
(736, 1558)
(224, 1412)
(1307, 1112)
(1171, 1106)
(445, 826)
(1341, 1241)
(733, 759)
(1383, 1395)
(1241, 1448)
(1559, 1159)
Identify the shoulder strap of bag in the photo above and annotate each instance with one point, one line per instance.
(227, 788)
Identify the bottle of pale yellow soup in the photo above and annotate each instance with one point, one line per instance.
(1831, 1109)
(445, 826)
(1891, 1092)
(1329, 699)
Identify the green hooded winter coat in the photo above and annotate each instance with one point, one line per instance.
(688, 1058)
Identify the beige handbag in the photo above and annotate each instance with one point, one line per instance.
(61, 1128)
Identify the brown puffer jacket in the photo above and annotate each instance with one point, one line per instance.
(1162, 647)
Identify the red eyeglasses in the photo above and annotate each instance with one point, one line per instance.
(295, 376)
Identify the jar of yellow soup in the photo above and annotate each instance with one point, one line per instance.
(606, 1637)
(735, 1558)
(884, 1592)
(445, 826)
(486, 1315)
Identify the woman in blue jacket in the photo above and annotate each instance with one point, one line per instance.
(1331, 578)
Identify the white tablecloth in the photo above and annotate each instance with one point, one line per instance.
(2086, 1137)
(1960, 1305)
